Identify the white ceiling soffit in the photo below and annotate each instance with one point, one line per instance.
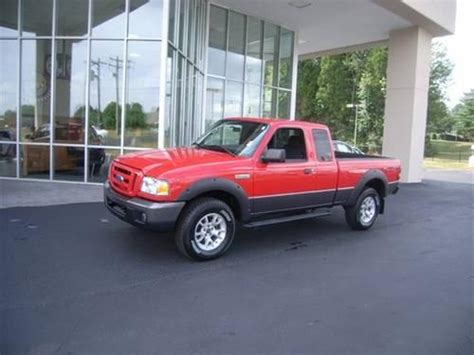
(325, 25)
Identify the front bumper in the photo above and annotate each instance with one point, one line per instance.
(158, 216)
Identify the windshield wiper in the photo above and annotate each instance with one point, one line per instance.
(215, 147)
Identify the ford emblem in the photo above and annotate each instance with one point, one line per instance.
(119, 178)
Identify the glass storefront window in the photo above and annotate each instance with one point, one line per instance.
(143, 92)
(143, 19)
(9, 19)
(8, 89)
(72, 23)
(71, 69)
(99, 161)
(37, 17)
(7, 159)
(108, 18)
(252, 101)
(214, 101)
(217, 41)
(254, 51)
(105, 91)
(286, 58)
(233, 99)
(34, 161)
(236, 48)
(270, 45)
(68, 163)
(269, 104)
(35, 90)
(283, 104)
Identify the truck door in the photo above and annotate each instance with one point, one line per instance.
(326, 174)
(285, 185)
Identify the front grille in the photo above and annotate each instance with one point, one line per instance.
(123, 178)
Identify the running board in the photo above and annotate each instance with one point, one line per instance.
(266, 222)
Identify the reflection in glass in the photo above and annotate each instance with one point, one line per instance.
(269, 102)
(37, 20)
(214, 101)
(235, 55)
(7, 159)
(172, 21)
(217, 41)
(35, 90)
(70, 91)
(8, 89)
(105, 91)
(252, 101)
(34, 161)
(108, 18)
(9, 19)
(286, 54)
(99, 162)
(145, 18)
(72, 23)
(143, 94)
(233, 99)
(254, 51)
(283, 104)
(269, 56)
(68, 163)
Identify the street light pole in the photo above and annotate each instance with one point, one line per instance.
(356, 106)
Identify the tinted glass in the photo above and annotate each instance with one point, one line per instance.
(37, 17)
(108, 18)
(143, 94)
(254, 51)
(68, 163)
(322, 145)
(7, 159)
(8, 89)
(270, 45)
(71, 69)
(269, 103)
(283, 104)
(286, 58)
(217, 41)
(235, 55)
(99, 162)
(35, 90)
(252, 101)
(34, 161)
(233, 99)
(291, 140)
(72, 23)
(214, 101)
(8, 19)
(145, 18)
(105, 90)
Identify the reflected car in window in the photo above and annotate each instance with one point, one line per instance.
(343, 147)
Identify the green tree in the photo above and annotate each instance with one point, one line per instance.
(463, 116)
(109, 115)
(135, 116)
(94, 114)
(308, 73)
(439, 119)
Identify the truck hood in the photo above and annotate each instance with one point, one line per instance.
(155, 162)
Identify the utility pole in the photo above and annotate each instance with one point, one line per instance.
(116, 65)
(96, 75)
(356, 106)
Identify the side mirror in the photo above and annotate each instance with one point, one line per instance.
(274, 156)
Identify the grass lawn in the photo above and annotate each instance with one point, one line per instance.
(436, 163)
(450, 150)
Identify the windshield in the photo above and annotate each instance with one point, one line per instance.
(235, 137)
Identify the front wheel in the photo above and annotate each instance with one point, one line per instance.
(364, 213)
(205, 230)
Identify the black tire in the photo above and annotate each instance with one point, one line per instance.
(355, 215)
(187, 226)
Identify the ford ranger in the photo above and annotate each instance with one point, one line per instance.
(250, 172)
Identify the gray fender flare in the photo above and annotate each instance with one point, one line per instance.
(220, 185)
(366, 178)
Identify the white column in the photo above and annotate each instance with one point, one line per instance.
(406, 101)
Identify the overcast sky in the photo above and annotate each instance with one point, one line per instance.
(461, 51)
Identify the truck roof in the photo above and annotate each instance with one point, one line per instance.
(279, 121)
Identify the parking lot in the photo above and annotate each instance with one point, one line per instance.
(76, 280)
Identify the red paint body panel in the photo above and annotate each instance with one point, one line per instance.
(182, 167)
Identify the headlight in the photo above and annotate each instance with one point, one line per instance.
(155, 187)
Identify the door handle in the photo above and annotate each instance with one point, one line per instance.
(308, 171)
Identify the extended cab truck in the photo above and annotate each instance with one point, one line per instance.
(251, 172)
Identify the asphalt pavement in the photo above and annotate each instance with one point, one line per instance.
(74, 279)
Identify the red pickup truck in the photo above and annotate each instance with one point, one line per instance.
(251, 172)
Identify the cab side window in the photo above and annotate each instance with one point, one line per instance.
(292, 141)
(322, 145)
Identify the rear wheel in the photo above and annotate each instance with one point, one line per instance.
(364, 213)
(205, 229)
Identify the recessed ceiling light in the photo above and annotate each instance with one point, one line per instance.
(300, 4)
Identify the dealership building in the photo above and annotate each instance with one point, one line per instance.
(83, 81)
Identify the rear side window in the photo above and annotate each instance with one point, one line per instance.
(322, 145)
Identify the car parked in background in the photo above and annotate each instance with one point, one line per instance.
(343, 147)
